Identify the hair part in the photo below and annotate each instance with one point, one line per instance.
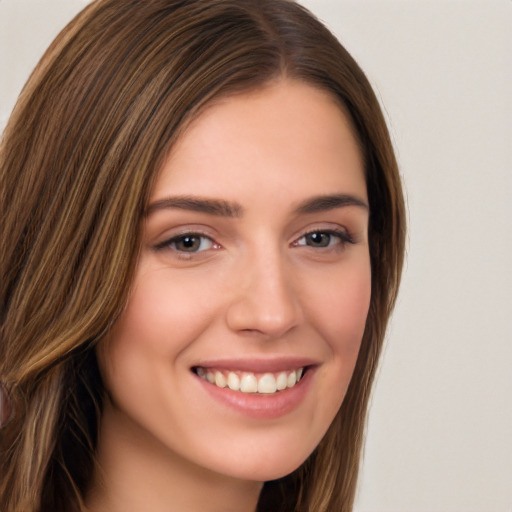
(78, 159)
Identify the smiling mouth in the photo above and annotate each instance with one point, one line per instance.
(251, 383)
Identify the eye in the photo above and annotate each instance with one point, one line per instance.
(188, 243)
(324, 239)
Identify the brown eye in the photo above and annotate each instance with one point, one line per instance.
(188, 243)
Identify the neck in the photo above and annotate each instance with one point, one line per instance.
(135, 472)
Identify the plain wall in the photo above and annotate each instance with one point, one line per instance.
(440, 427)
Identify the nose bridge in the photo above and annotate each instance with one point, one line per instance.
(264, 300)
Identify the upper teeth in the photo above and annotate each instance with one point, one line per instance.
(247, 382)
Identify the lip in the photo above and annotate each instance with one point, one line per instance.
(259, 406)
(255, 365)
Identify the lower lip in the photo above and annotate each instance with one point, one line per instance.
(261, 406)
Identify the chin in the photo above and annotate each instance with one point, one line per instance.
(262, 459)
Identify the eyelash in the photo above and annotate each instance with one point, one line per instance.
(169, 243)
(343, 236)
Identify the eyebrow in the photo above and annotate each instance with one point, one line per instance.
(329, 202)
(222, 208)
(216, 207)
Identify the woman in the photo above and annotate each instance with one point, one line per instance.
(205, 233)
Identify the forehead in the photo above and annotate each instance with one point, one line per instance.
(285, 135)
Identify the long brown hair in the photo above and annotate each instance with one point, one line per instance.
(78, 159)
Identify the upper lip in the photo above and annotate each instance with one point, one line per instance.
(257, 364)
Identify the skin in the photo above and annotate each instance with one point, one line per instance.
(257, 289)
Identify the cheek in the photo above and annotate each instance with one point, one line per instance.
(163, 314)
(339, 312)
(139, 360)
(341, 308)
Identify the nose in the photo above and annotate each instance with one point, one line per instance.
(264, 299)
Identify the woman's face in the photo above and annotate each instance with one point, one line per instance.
(254, 273)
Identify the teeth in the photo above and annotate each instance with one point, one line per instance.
(267, 384)
(220, 380)
(282, 381)
(246, 382)
(233, 381)
(249, 383)
(292, 379)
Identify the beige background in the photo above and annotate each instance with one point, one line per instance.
(440, 431)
